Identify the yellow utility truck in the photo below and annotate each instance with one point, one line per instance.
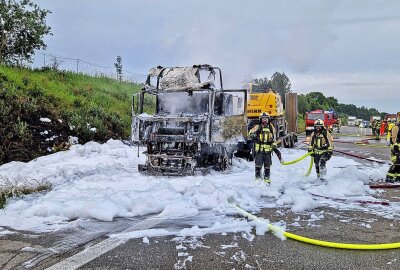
(284, 121)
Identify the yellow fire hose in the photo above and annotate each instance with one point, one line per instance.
(307, 240)
(296, 160)
(299, 159)
(311, 165)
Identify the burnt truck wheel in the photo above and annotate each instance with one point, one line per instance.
(142, 168)
(291, 140)
(224, 163)
(285, 142)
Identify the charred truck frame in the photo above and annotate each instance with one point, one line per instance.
(195, 126)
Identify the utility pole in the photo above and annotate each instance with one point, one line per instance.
(118, 66)
(77, 65)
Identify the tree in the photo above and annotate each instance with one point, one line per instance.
(281, 84)
(22, 29)
(118, 67)
(317, 100)
(302, 104)
(261, 85)
(332, 102)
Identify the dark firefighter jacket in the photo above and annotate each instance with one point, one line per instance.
(264, 138)
(321, 141)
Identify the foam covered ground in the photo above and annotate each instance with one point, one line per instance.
(101, 181)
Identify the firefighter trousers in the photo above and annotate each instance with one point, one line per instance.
(320, 162)
(393, 174)
(263, 159)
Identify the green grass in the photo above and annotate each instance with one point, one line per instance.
(79, 101)
(73, 90)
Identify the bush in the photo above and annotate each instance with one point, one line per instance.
(35, 92)
(20, 129)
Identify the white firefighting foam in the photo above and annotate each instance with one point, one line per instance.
(101, 181)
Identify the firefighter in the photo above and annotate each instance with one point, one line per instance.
(383, 128)
(391, 124)
(339, 123)
(263, 136)
(321, 147)
(393, 175)
(373, 126)
(377, 129)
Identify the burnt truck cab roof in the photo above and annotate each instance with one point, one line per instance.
(176, 79)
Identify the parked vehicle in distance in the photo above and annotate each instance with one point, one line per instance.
(330, 119)
(359, 123)
(351, 121)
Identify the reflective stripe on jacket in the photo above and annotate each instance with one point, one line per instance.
(321, 141)
(264, 138)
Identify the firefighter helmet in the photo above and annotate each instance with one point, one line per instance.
(319, 123)
(264, 116)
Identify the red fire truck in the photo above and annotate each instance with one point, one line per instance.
(330, 119)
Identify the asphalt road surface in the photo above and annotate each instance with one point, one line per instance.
(87, 246)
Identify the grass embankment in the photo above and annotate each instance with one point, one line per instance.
(90, 108)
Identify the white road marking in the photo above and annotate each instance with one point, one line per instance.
(99, 249)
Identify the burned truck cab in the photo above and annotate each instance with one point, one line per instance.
(195, 125)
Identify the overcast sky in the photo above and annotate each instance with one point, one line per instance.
(346, 49)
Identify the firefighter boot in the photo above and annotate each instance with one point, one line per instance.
(317, 170)
(390, 178)
(258, 173)
(396, 174)
(267, 172)
(323, 170)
